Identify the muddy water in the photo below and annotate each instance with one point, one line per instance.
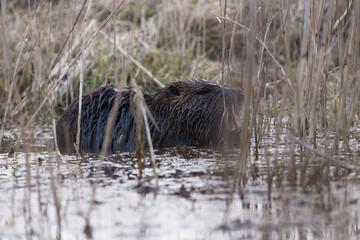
(44, 196)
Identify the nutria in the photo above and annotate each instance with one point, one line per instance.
(189, 112)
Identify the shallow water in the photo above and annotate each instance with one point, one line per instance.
(44, 196)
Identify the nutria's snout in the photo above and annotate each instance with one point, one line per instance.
(191, 112)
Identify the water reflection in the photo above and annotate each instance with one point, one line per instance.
(53, 197)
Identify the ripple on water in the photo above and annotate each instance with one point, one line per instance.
(194, 198)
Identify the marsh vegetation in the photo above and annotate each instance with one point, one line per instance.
(294, 175)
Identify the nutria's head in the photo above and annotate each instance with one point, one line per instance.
(197, 112)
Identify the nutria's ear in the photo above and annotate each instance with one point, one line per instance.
(173, 91)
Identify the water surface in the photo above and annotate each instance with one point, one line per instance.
(46, 196)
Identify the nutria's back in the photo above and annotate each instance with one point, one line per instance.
(187, 112)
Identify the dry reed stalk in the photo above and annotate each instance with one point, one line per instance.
(37, 64)
(26, 65)
(55, 71)
(140, 114)
(259, 85)
(342, 124)
(203, 24)
(232, 43)
(151, 148)
(300, 81)
(66, 39)
(300, 77)
(56, 65)
(110, 124)
(114, 48)
(57, 202)
(27, 193)
(286, 46)
(33, 47)
(77, 145)
(223, 41)
(318, 83)
(12, 85)
(135, 101)
(258, 39)
(39, 198)
(353, 53)
(140, 105)
(324, 157)
(6, 48)
(58, 81)
(244, 143)
(132, 59)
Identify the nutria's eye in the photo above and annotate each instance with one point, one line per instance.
(173, 91)
(203, 91)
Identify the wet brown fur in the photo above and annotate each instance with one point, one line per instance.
(191, 112)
